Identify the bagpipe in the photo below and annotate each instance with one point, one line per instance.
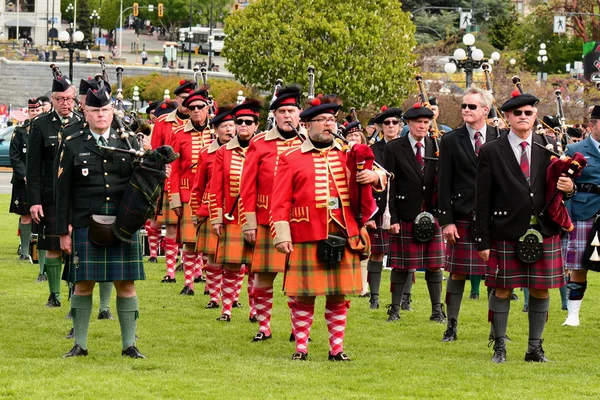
(271, 118)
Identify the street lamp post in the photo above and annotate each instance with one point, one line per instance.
(95, 17)
(469, 61)
(542, 58)
(70, 40)
(210, 36)
(190, 39)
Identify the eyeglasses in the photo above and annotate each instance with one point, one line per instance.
(246, 122)
(518, 113)
(198, 107)
(472, 107)
(61, 100)
(391, 122)
(324, 120)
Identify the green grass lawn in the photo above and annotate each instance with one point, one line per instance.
(191, 355)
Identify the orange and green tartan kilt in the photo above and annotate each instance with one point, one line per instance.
(206, 241)
(167, 216)
(232, 248)
(306, 275)
(266, 258)
(187, 230)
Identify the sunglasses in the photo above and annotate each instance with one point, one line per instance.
(246, 122)
(199, 107)
(391, 122)
(518, 113)
(472, 107)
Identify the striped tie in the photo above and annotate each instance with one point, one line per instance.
(524, 160)
(477, 142)
(102, 141)
(419, 156)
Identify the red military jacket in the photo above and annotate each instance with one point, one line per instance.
(225, 184)
(199, 200)
(162, 130)
(307, 182)
(187, 141)
(259, 171)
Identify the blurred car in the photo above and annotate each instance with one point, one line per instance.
(5, 136)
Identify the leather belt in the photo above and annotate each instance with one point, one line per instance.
(588, 188)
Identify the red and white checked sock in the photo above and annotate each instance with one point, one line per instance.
(153, 240)
(302, 319)
(214, 276)
(189, 264)
(263, 300)
(198, 266)
(335, 316)
(228, 287)
(238, 283)
(171, 252)
(251, 300)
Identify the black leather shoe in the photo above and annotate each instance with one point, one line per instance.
(224, 318)
(393, 312)
(69, 315)
(374, 303)
(474, 296)
(23, 258)
(212, 304)
(261, 337)
(152, 260)
(41, 278)
(292, 337)
(514, 297)
(499, 356)
(341, 356)
(438, 314)
(367, 294)
(253, 319)
(19, 250)
(535, 352)
(450, 334)
(132, 352)
(236, 304)
(199, 279)
(406, 300)
(76, 351)
(168, 279)
(105, 314)
(525, 307)
(71, 334)
(188, 291)
(52, 301)
(299, 356)
(206, 292)
(179, 268)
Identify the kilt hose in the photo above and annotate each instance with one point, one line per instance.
(18, 201)
(167, 216)
(380, 238)
(232, 248)
(187, 230)
(265, 257)
(575, 242)
(47, 239)
(118, 262)
(206, 240)
(406, 253)
(463, 258)
(505, 270)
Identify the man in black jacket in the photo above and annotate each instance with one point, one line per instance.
(511, 193)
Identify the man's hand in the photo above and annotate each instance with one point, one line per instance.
(450, 234)
(250, 236)
(36, 213)
(65, 242)
(178, 211)
(370, 224)
(394, 229)
(284, 247)
(195, 220)
(485, 255)
(367, 177)
(218, 229)
(565, 184)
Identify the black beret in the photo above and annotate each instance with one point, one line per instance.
(371, 121)
(287, 96)
(433, 101)
(151, 106)
(33, 103)
(352, 127)
(44, 99)
(201, 95)
(91, 83)
(388, 113)
(319, 108)
(551, 121)
(595, 113)
(223, 114)
(61, 84)
(418, 111)
(520, 100)
(574, 132)
(249, 108)
(185, 87)
(165, 107)
(97, 98)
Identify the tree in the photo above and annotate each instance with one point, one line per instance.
(586, 27)
(109, 14)
(361, 50)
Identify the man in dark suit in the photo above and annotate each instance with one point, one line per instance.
(412, 161)
(459, 151)
(511, 193)
(380, 238)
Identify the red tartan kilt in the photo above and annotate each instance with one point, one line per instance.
(505, 270)
(307, 276)
(380, 239)
(406, 253)
(167, 216)
(187, 230)
(266, 258)
(463, 258)
(232, 248)
(206, 241)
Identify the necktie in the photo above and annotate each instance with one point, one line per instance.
(419, 156)
(477, 142)
(102, 141)
(524, 160)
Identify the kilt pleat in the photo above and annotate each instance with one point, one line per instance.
(463, 258)
(206, 241)
(232, 248)
(265, 257)
(187, 230)
(407, 253)
(380, 238)
(46, 229)
(167, 215)
(18, 201)
(575, 242)
(505, 270)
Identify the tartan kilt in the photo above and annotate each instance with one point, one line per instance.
(18, 201)
(306, 275)
(187, 230)
(505, 270)
(407, 253)
(380, 238)
(206, 240)
(167, 216)
(47, 239)
(118, 262)
(232, 248)
(575, 242)
(265, 257)
(463, 258)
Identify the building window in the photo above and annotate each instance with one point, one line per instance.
(24, 5)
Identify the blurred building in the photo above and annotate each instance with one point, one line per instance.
(28, 19)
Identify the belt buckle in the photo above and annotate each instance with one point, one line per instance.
(333, 203)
